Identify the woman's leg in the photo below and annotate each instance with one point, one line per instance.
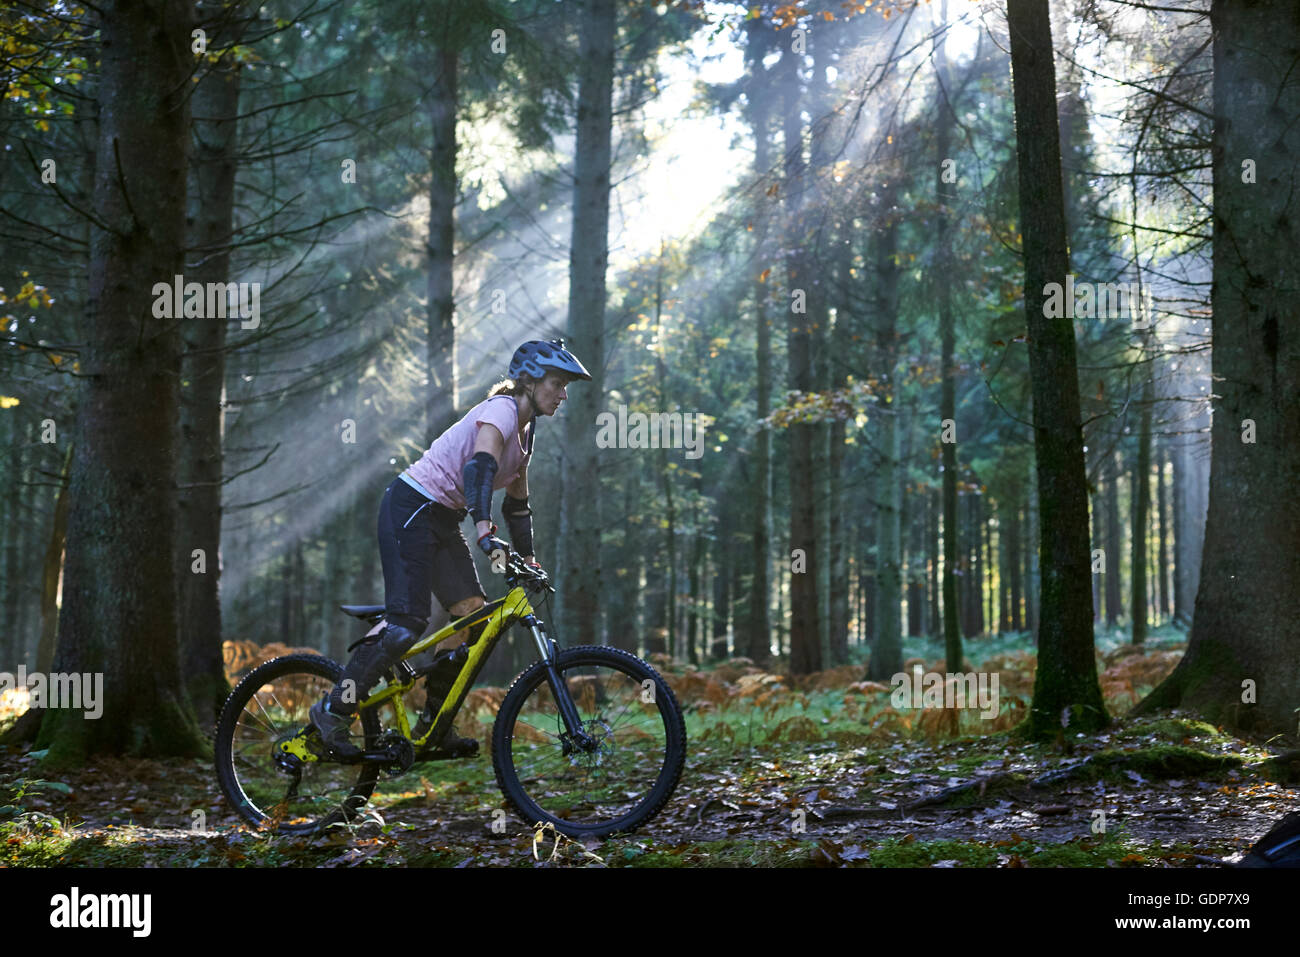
(405, 544)
(455, 577)
(455, 582)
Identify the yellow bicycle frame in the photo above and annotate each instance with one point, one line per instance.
(500, 614)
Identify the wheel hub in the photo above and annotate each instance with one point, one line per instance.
(597, 743)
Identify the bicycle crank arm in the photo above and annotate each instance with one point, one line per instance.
(374, 756)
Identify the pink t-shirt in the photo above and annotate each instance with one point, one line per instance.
(439, 469)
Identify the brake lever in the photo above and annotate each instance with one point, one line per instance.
(532, 572)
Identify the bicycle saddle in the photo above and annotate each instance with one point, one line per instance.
(362, 611)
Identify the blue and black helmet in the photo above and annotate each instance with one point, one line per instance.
(535, 357)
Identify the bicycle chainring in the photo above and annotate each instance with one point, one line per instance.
(401, 749)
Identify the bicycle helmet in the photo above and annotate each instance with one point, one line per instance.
(534, 357)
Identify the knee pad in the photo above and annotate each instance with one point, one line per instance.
(409, 622)
(396, 641)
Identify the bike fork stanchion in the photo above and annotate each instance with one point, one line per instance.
(559, 690)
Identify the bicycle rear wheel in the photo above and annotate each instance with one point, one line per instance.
(616, 785)
(268, 706)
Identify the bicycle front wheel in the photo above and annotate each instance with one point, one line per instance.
(271, 705)
(620, 780)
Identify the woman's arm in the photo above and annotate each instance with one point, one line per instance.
(519, 489)
(490, 440)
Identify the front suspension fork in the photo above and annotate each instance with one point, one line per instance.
(576, 738)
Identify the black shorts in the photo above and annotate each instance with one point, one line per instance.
(423, 549)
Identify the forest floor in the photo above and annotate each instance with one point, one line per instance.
(819, 771)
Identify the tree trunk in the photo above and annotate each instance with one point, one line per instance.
(819, 239)
(887, 654)
(624, 627)
(733, 604)
(119, 615)
(805, 610)
(1113, 588)
(968, 588)
(934, 505)
(990, 565)
(51, 572)
(952, 630)
(629, 637)
(916, 565)
(1098, 539)
(838, 535)
(1240, 669)
(24, 534)
(723, 563)
(1031, 556)
(656, 593)
(10, 639)
(203, 380)
(760, 626)
(1066, 692)
(1141, 503)
(696, 606)
(1162, 556)
(1014, 567)
(588, 257)
(670, 509)
(1182, 614)
(1004, 570)
(977, 572)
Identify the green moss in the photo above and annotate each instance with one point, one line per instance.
(1159, 761)
(904, 853)
(1176, 729)
(63, 737)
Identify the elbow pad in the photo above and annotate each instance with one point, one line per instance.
(477, 477)
(519, 519)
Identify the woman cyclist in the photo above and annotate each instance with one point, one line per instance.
(420, 541)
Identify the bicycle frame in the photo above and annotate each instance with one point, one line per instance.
(500, 614)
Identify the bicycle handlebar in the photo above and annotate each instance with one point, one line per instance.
(517, 570)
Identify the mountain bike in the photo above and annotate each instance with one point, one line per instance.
(590, 738)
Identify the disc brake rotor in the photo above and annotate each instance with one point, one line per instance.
(602, 736)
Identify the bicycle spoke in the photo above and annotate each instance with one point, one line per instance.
(274, 729)
(266, 725)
